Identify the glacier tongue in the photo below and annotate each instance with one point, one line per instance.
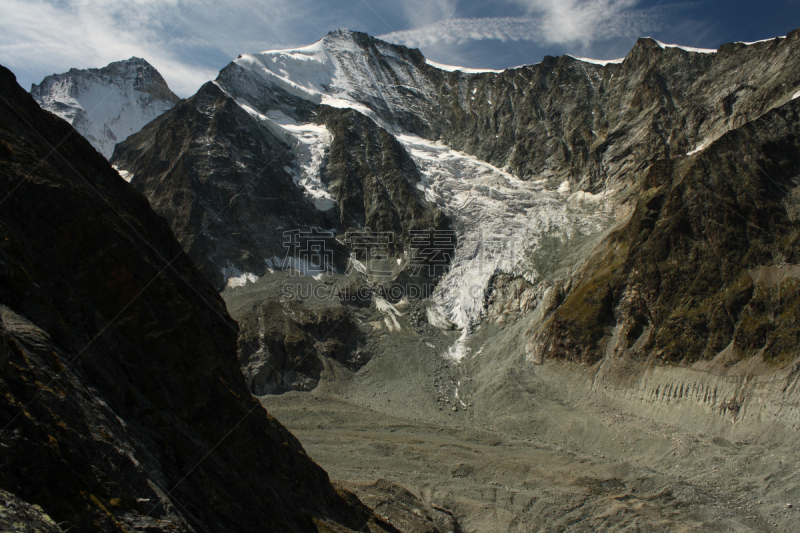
(312, 143)
(498, 219)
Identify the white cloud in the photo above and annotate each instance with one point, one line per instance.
(460, 31)
(423, 12)
(41, 36)
(583, 21)
(546, 22)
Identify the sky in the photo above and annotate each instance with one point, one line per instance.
(189, 41)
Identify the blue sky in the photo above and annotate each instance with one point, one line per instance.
(189, 41)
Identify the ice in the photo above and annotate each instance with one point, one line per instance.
(498, 218)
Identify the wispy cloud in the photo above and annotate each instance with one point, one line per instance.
(546, 22)
(42, 36)
(188, 41)
(584, 21)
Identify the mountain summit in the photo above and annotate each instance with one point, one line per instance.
(108, 104)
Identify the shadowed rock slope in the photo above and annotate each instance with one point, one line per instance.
(220, 180)
(122, 406)
(222, 177)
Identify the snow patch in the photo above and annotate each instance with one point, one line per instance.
(761, 41)
(465, 70)
(688, 48)
(124, 174)
(701, 147)
(386, 307)
(601, 62)
(586, 197)
(241, 281)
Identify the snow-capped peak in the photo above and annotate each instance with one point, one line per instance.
(305, 72)
(108, 104)
(343, 69)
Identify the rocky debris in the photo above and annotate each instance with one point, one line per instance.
(16, 516)
(122, 405)
(405, 511)
(108, 104)
(283, 345)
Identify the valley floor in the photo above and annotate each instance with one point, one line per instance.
(548, 466)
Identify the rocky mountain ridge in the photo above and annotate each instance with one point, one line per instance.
(593, 131)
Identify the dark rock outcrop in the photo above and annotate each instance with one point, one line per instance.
(122, 406)
(374, 179)
(283, 345)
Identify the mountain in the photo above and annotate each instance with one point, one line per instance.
(123, 407)
(108, 104)
(593, 129)
(622, 276)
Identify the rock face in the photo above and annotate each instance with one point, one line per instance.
(284, 345)
(122, 404)
(706, 262)
(222, 181)
(374, 179)
(17, 516)
(108, 104)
